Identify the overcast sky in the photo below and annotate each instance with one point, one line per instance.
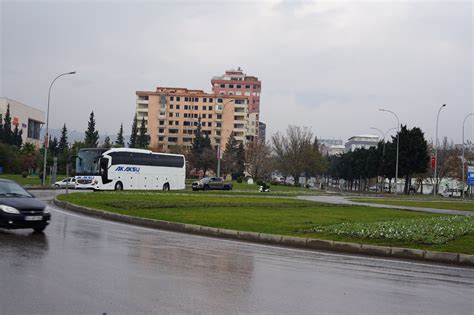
(326, 65)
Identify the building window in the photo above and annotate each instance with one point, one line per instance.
(219, 100)
(143, 97)
(171, 106)
(210, 116)
(162, 122)
(218, 125)
(210, 107)
(185, 115)
(33, 128)
(254, 86)
(195, 115)
(209, 124)
(177, 106)
(247, 86)
(196, 99)
(186, 107)
(204, 108)
(210, 100)
(161, 130)
(170, 115)
(203, 116)
(204, 99)
(239, 86)
(171, 98)
(196, 107)
(161, 138)
(186, 99)
(222, 85)
(186, 123)
(176, 115)
(219, 116)
(170, 122)
(231, 86)
(178, 98)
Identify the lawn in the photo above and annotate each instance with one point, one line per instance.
(437, 204)
(280, 215)
(32, 180)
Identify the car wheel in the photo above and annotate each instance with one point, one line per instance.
(119, 186)
(166, 187)
(56, 186)
(39, 229)
(226, 187)
(206, 187)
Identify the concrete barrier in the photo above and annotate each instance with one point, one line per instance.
(407, 253)
(376, 250)
(293, 241)
(347, 247)
(270, 239)
(441, 256)
(290, 241)
(319, 244)
(249, 236)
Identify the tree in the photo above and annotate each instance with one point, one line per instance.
(53, 146)
(233, 161)
(120, 141)
(202, 155)
(107, 144)
(28, 158)
(143, 140)
(134, 134)
(295, 152)
(17, 139)
(258, 159)
(91, 136)
(7, 134)
(63, 145)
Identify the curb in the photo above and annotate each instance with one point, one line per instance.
(288, 241)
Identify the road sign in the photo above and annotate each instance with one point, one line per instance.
(470, 175)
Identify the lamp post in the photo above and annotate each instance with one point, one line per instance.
(219, 143)
(463, 172)
(46, 143)
(398, 143)
(384, 134)
(435, 189)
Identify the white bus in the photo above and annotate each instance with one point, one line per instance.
(130, 169)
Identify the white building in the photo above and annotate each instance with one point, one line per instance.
(27, 118)
(361, 141)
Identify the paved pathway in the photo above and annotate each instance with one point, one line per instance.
(345, 201)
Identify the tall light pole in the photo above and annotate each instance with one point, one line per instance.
(384, 134)
(463, 172)
(435, 189)
(46, 142)
(398, 143)
(219, 143)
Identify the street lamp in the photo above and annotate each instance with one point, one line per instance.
(384, 134)
(463, 172)
(219, 143)
(435, 189)
(398, 143)
(46, 143)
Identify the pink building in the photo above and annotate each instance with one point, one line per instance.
(235, 82)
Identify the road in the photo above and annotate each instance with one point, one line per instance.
(85, 265)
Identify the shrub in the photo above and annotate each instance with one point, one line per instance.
(240, 179)
(24, 174)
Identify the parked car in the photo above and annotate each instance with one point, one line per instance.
(452, 192)
(64, 182)
(21, 210)
(209, 183)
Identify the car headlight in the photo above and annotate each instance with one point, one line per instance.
(9, 209)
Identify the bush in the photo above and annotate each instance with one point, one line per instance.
(24, 174)
(240, 179)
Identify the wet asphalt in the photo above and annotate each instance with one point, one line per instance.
(84, 265)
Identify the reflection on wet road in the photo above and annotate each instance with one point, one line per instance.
(85, 265)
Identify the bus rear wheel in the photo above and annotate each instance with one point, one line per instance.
(166, 187)
(119, 186)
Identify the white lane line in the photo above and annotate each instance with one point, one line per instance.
(260, 245)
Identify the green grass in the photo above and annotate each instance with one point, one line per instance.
(262, 213)
(28, 181)
(437, 204)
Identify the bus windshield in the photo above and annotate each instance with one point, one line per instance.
(87, 162)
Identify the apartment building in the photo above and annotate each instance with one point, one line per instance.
(173, 114)
(235, 82)
(361, 141)
(26, 118)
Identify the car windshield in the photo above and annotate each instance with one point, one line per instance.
(12, 189)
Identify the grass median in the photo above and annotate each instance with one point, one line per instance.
(287, 216)
(436, 204)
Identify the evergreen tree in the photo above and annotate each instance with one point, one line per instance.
(63, 145)
(7, 133)
(134, 134)
(143, 139)
(120, 142)
(107, 144)
(202, 155)
(16, 139)
(92, 136)
(53, 146)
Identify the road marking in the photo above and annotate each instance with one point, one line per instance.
(55, 208)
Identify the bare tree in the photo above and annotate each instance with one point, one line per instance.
(258, 159)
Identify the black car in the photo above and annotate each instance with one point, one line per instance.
(21, 210)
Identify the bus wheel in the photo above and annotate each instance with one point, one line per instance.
(118, 186)
(166, 187)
